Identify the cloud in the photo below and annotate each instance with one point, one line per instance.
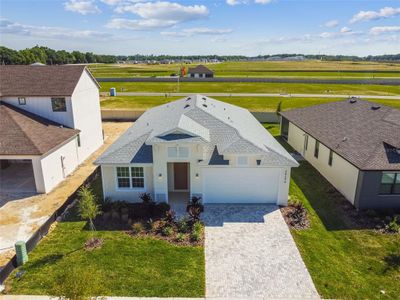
(14, 28)
(196, 31)
(155, 15)
(83, 7)
(345, 30)
(383, 13)
(237, 2)
(139, 25)
(111, 2)
(331, 23)
(384, 29)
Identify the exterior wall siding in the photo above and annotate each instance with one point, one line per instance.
(51, 167)
(41, 106)
(87, 116)
(342, 175)
(368, 192)
(110, 188)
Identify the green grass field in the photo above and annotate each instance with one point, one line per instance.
(251, 103)
(258, 69)
(226, 87)
(345, 262)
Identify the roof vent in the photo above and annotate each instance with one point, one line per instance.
(186, 106)
(258, 162)
(204, 98)
(353, 100)
(205, 105)
(344, 139)
(375, 107)
(147, 123)
(188, 98)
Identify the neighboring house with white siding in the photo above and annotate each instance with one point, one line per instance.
(197, 146)
(354, 144)
(51, 122)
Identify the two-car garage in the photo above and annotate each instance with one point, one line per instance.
(243, 185)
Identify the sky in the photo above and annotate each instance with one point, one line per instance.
(186, 27)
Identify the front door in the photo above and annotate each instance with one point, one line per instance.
(181, 181)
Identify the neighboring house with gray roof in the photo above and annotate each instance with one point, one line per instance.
(50, 123)
(354, 144)
(197, 146)
(200, 71)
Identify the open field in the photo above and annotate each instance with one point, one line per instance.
(251, 103)
(308, 69)
(222, 87)
(345, 261)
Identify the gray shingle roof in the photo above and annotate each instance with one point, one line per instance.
(200, 69)
(356, 131)
(233, 130)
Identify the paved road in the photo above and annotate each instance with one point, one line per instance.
(390, 81)
(251, 254)
(254, 95)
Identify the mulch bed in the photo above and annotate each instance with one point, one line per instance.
(295, 218)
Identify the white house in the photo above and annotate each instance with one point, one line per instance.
(50, 123)
(354, 144)
(197, 146)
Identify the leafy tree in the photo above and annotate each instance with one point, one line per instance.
(88, 208)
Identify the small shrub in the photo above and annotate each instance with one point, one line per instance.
(137, 228)
(183, 225)
(180, 237)
(167, 231)
(146, 198)
(393, 226)
(162, 208)
(195, 208)
(170, 217)
(198, 227)
(195, 236)
(151, 225)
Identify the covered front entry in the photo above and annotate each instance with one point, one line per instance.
(16, 180)
(178, 184)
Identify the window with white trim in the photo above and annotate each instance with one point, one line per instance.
(123, 178)
(390, 183)
(58, 104)
(137, 177)
(242, 161)
(22, 101)
(178, 152)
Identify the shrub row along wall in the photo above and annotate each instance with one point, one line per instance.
(44, 229)
(133, 115)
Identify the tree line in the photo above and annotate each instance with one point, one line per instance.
(50, 56)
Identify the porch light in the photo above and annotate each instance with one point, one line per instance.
(197, 175)
(160, 176)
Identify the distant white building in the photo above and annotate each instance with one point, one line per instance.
(51, 122)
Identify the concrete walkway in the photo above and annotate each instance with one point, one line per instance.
(250, 253)
(254, 95)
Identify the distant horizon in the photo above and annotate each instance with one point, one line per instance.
(221, 27)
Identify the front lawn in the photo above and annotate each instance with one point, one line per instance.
(345, 260)
(126, 265)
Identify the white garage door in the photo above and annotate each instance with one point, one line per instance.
(240, 185)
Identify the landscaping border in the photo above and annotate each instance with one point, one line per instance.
(44, 229)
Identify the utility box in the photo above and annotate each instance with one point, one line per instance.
(113, 92)
(21, 253)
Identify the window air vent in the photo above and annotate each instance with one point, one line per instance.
(375, 107)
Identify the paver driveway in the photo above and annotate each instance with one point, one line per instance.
(250, 253)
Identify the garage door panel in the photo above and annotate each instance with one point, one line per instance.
(240, 185)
